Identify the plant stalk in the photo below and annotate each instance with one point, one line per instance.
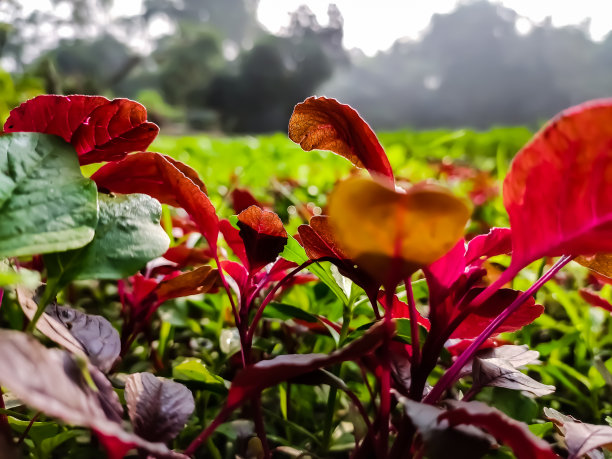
(450, 376)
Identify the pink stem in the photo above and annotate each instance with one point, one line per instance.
(453, 372)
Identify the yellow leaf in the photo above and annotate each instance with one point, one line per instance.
(392, 234)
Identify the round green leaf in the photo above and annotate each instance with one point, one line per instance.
(46, 205)
(128, 235)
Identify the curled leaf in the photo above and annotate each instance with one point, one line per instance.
(513, 433)
(556, 192)
(580, 438)
(326, 124)
(392, 234)
(80, 333)
(158, 407)
(264, 236)
(98, 128)
(141, 173)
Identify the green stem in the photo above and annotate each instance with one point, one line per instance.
(50, 292)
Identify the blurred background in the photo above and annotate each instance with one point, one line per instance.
(239, 66)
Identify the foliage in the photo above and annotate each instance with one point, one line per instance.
(387, 326)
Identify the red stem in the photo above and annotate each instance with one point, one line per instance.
(414, 325)
(385, 384)
(453, 372)
(234, 311)
(27, 429)
(270, 296)
(197, 442)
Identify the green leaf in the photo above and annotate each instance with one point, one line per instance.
(49, 444)
(194, 370)
(46, 205)
(287, 311)
(294, 252)
(39, 430)
(540, 430)
(404, 333)
(128, 235)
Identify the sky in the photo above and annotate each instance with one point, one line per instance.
(375, 25)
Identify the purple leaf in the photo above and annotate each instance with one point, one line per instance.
(158, 407)
(580, 438)
(513, 433)
(80, 333)
(436, 439)
(54, 382)
(498, 372)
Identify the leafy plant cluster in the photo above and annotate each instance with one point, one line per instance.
(378, 329)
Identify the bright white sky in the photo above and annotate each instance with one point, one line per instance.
(374, 25)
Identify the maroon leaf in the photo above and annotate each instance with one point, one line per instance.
(82, 334)
(183, 256)
(556, 190)
(200, 280)
(580, 438)
(594, 299)
(99, 129)
(162, 180)
(233, 240)
(243, 199)
(325, 124)
(52, 381)
(513, 433)
(319, 243)
(497, 241)
(436, 439)
(263, 235)
(253, 379)
(158, 408)
(480, 317)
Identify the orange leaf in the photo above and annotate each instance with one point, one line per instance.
(200, 280)
(392, 234)
(326, 124)
(600, 263)
(263, 234)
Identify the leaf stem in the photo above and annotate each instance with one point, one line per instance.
(231, 298)
(414, 325)
(450, 376)
(50, 292)
(270, 296)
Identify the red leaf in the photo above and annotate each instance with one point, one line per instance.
(443, 274)
(513, 433)
(183, 256)
(243, 199)
(158, 176)
(319, 242)
(233, 240)
(556, 192)
(325, 124)
(594, 299)
(400, 310)
(263, 235)
(200, 280)
(497, 241)
(484, 314)
(99, 129)
(253, 379)
(140, 173)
